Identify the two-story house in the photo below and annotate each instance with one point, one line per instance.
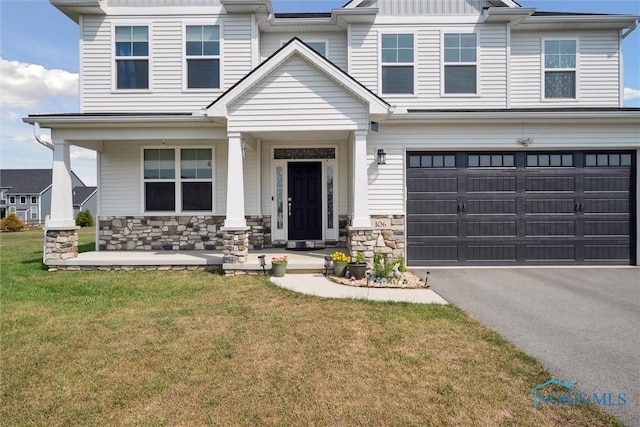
(449, 131)
(27, 193)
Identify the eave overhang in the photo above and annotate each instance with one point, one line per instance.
(576, 22)
(114, 120)
(579, 115)
(247, 6)
(339, 19)
(74, 8)
(379, 109)
(507, 14)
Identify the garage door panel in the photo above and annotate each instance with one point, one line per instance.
(491, 228)
(491, 207)
(433, 228)
(491, 252)
(550, 228)
(612, 252)
(433, 207)
(607, 228)
(550, 183)
(433, 185)
(491, 184)
(547, 206)
(606, 206)
(438, 253)
(550, 252)
(606, 184)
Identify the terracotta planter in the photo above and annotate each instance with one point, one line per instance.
(278, 269)
(357, 271)
(339, 268)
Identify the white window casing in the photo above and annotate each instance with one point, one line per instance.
(459, 51)
(560, 55)
(136, 52)
(397, 55)
(211, 49)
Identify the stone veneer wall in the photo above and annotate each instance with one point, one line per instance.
(175, 232)
(60, 244)
(388, 241)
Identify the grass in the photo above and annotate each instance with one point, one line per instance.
(193, 348)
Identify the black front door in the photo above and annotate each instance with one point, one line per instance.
(305, 200)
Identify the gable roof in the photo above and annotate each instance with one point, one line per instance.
(25, 181)
(378, 107)
(82, 194)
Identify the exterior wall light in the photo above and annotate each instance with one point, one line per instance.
(382, 157)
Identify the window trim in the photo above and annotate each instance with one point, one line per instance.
(443, 64)
(543, 69)
(220, 58)
(23, 200)
(177, 180)
(34, 212)
(115, 58)
(12, 200)
(414, 64)
(34, 200)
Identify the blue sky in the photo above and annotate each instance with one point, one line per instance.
(39, 53)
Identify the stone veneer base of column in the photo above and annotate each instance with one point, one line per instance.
(235, 244)
(60, 243)
(388, 241)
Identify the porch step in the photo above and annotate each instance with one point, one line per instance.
(306, 244)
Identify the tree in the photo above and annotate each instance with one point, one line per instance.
(12, 223)
(84, 219)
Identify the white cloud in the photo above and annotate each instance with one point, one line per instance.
(630, 94)
(82, 154)
(26, 85)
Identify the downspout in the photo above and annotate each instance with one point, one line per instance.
(41, 138)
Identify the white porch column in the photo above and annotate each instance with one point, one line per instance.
(61, 192)
(360, 181)
(235, 183)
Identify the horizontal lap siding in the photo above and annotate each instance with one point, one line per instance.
(386, 183)
(598, 85)
(492, 76)
(297, 97)
(336, 44)
(165, 66)
(431, 7)
(121, 177)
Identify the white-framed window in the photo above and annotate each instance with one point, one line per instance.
(178, 179)
(202, 53)
(34, 212)
(34, 200)
(23, 200)
(12, 200)
(560, 65)
(12, 209)
(398, 66)
(460, 64)
(132, 57)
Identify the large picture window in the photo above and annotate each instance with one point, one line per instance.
(203, 56)
(460, 64)
(397, 64)
(132, 57)
(560, 69)
(178, 180)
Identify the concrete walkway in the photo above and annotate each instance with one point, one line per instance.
(318, 285)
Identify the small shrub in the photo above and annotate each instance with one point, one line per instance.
(84, 219)
(12, 223)
(402, 265)
(381, 268)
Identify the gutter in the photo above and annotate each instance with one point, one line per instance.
(630, 30)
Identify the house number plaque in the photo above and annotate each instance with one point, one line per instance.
(381, 223)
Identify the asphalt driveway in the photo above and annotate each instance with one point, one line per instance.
(583, 324)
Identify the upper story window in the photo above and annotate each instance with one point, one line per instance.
(460, 64)
(34, 200)
(320, 47)
(12, 200)
(132, 57)
(560, 69)
(203, 56)
(23, 200)
(178, 175)
(397, 64)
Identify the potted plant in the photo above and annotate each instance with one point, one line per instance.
(358, 269)
(279, 266)
(340, 260)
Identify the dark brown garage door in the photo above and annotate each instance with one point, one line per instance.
(520, 208)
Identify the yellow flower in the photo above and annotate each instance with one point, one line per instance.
(340, 257)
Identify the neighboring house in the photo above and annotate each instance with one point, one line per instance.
(27, 193)
(85, 199)
(449, 131)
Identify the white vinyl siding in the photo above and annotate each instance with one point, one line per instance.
(297, 96)
(336, 44)
(166, 63)
(491, 63)
(121, 177)
(431, 7)
(598, 73)
(386, 195)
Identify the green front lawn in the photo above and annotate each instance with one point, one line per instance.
(193, 348)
